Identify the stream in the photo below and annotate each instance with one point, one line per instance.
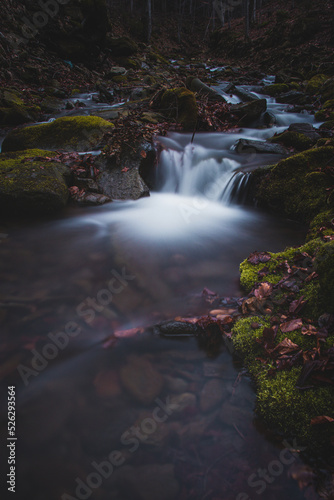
(103, 413)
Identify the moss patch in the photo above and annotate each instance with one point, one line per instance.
(276, 89)
(296, 186)
(314, 85)
(180, 103)
(279, 402)
(77, 133)
(29, 181)
(293, 139)
(325, 268)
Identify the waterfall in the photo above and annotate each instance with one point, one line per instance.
(203, 172)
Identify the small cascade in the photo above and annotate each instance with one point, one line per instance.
(195, 170)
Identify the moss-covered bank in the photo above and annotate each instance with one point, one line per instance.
(75, 133)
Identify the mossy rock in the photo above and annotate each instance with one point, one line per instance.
(52, 105)
(323, 222)
(249, 276)
(328, 125)
(296, 187)
(327, 91)
(325, 268)
(180, 104)
(17, 115)
(314, 85)
(293, 139)
(122, 47)
(158, 58)
(276, 89)
(119, 79)
(9, 98)
(75, 133)
(30, 182)
(285, 408)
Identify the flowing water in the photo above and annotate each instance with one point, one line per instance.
(118, 418)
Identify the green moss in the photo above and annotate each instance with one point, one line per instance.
(77, 133)
(249, 272)
(119, 79)
(325, 268)
(323, 221)
(180, 103)
(314, 85)
(283, 406)
(289, 409)
(296, 187)
(293, 139)
(329, 125)
(276, 89)
(158, 58)
(30, 182)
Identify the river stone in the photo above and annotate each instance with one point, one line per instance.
(176, 385)
(212, 394)
(234, 415)
(30, 182)
(116, 71)
(147, 482)
(182, 402)
(249, 111)
(120, 185)
(262, 147)
(70, 133)
(141, 379)
(306, 129)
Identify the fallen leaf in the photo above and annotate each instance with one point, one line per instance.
(259, 257)
(291, 326)
(264, 290)
(323, 419)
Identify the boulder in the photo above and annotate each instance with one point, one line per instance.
(75, 133)
(141, 379)
(250, 111)
(121, 180)
(262, 147)
(297, 186)
(276, 89)
(180, 104)
(122, 47)
(31, 182)
(13, 110)
(314, 85)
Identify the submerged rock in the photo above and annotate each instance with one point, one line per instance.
(141, 379)
(72, 133)
(212, 394)
(31, 182)
(149, 482)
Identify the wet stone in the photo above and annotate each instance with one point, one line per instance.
(212, 394)
(141, 379)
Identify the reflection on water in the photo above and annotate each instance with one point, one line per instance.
(142, 418)
(147, 419)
